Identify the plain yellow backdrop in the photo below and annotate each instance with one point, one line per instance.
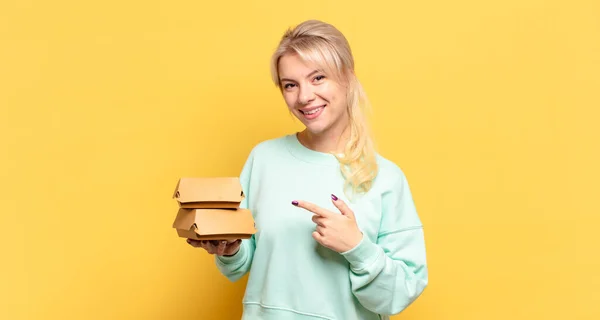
(490, 108)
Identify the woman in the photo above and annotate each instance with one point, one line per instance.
(338, 236)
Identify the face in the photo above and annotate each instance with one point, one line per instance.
(312, 96)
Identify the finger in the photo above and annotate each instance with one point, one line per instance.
(312, 208)
(234, 243)
(209, 247)
(341, 205)
(205, 245)
(221, 247)
(193, 243)
(217, 242)
(320, 230)
(318, 237)
(233, 247)
(318, 220)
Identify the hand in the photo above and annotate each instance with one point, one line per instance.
(338, 232)
(218, 247)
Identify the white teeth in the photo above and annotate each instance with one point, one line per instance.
(313, 111)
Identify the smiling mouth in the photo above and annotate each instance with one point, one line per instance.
(313, 111)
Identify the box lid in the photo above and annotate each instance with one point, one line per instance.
(211, 189)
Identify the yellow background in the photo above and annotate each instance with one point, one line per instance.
(489, 107)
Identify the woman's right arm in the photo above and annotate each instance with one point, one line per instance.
(237, 265)
(234, 267)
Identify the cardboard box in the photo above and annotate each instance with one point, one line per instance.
(209, 209)
(214, 224)
(209, 193)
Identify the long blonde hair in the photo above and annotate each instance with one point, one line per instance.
(321, 43)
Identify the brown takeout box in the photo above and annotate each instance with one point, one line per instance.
(209, 209)
(214, 224)
(209, 193)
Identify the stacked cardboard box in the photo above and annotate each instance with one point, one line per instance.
(209, 209)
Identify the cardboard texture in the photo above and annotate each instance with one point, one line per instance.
(214, 224)
(209, 209)
(209, 193)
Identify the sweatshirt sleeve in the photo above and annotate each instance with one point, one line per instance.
(236, 266)
(389, 274)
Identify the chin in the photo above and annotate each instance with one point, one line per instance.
(316, 129)
(317, 126)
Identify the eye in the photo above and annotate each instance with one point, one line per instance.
(319, 77)
(288, 85)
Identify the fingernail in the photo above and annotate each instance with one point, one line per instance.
(295, 202)
(334, 197)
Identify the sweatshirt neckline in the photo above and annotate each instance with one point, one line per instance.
(301, 152)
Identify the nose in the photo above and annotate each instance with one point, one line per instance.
(305, 95)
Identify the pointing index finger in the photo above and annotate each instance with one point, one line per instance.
(312, 208)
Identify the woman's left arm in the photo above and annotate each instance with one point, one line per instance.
(387, 276)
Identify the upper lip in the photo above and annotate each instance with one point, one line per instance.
(308, 109)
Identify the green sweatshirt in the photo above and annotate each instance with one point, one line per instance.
(294, 277)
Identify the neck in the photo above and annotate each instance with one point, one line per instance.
(333, 140)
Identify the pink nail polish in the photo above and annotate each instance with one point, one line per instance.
(334, 197)
(295, 202)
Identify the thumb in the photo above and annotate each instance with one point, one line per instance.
(341, 205)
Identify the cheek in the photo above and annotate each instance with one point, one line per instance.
(336, 101)
(289, 100)
(341, 98)
(332, 93)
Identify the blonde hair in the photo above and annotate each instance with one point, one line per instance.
(322, 44)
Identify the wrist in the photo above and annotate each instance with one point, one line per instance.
(363, 254)
(356, 240)
(235, 257)
(233, 254)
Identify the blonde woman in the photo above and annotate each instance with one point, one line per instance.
(338, 233)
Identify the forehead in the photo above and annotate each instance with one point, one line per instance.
(291, 66)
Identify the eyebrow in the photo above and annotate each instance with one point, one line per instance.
(310, 74)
